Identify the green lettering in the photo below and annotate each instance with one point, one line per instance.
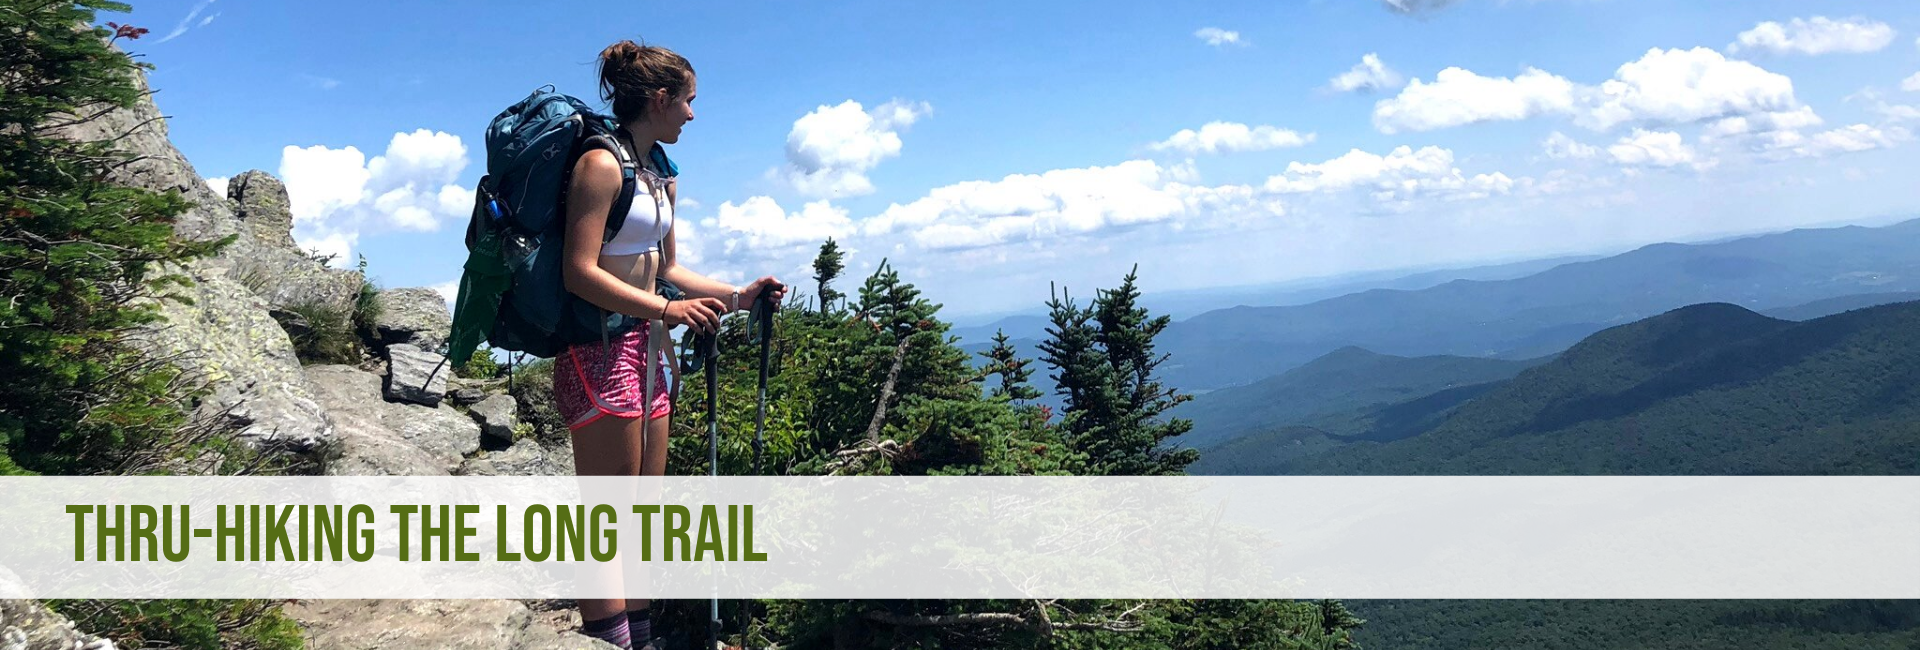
(545, 531)
(357, 552)
(500, 551)
(709, 535)
(403, 511)
(673, 532)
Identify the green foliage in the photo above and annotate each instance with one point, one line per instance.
(1668, 624)
(531, 386)
(826, 268)
(366, 309)
(1011, 371)
(1105, 361)
(322, 333)
(186, 623)
(824, 384)
(1707, 389)
(480, 366)
(1336, 392)
(77, 255)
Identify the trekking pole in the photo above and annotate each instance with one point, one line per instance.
(763, 318)
(709, 351)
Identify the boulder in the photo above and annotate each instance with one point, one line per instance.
(416, 316)
(379, 438)
(524, 458)
(28, 625)
(497, 416)
(454, 624)
(261, 205)
(267, 260)
(466, 396)
(416, 375)
(224, 338)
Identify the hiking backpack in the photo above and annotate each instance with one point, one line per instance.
(512, 289)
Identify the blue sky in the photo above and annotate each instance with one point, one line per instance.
(989, 148)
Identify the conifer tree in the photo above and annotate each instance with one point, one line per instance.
(1005, 363)
(1104, 360)
(1136, 443)
(77, 252)
(826, 268)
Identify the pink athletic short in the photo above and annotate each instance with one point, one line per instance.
(595, 380)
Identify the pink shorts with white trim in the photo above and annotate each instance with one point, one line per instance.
(595, 380)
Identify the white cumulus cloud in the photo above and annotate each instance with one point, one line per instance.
(1216, 137)
(1457, 96)
(1404, 173)
(1062, 202)
(1218, 37)
(1661, 87)
(1369, 74)
(760, 223)
(1645, 148)
(1682, 86)
(219, 185)
(830, 150)
(1758, 123)
(1560, 146)
(1848, 139)
(1818, 35)
(338, 194)
(1911, 84)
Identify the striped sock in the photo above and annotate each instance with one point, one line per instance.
(612, 629)
(640, 625)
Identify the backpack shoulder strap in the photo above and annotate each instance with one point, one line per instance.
(629, 176)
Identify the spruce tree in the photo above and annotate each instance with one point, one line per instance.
(826, 268)
(897, 309)
(1005, 363)
(1082, 375)
(1139, 434)
(77, 253)
(1104, 361)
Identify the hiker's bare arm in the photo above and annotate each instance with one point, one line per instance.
(596, 180)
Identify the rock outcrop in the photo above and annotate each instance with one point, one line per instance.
(266, 259)
(416, 375)
(225, 336)
(231, 332)
(380, 438)
(415, 316)
(524, 458)
(497, 416)
(452, 624)
(28, 625)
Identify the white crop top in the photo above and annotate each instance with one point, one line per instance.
(647, 221)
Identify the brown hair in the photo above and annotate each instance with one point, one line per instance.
(630, 74)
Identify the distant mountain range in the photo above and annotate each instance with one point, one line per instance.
(1532, 316)
(1706, 389)
(1543, 313)
(1326, 391)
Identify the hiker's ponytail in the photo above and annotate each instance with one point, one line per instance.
(630, 74)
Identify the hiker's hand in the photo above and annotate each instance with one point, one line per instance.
(702, 315)
(775, 290)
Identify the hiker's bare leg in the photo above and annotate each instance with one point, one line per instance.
(653, 462)
(609, 446)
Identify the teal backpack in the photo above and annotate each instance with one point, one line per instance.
(512, 291)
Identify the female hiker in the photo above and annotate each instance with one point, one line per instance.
(599, 385)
